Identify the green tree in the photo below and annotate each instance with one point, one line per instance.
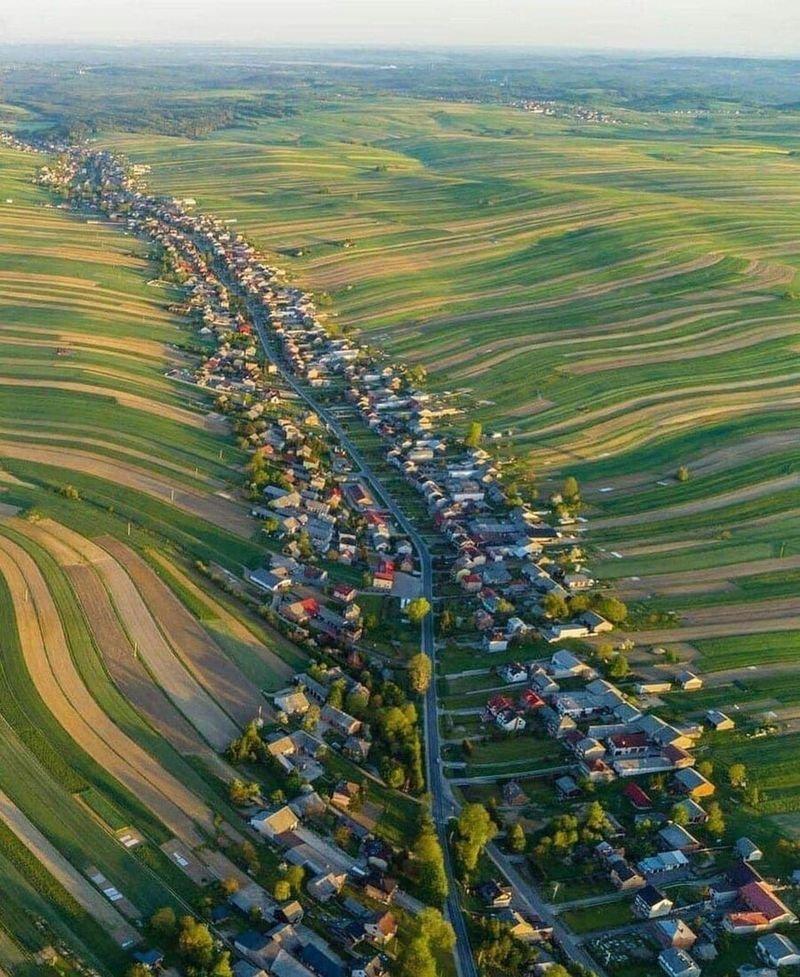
(429, 858)
(242, 793)
(295, 876)
(682, 474)
(195, 942)
(138, 970)
(472, 439)
(515, 838)
(737, 775)
(336, 693)
(706, 768)
(164, 923)
(222, 966)
(474, 830)
(418, 609)
(570, 490)
(283, 890)
(555, 606)
(715, 825)
(679, 815)
(420, 671)
(311, 718)
(618, 666)
(611, 608)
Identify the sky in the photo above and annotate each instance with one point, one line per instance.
(759, 27)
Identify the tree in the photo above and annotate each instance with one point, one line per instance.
(418, 609)
(138, 970)
(474, 830)
(336, 693)
(715, 825)
(429, 858)
(737, 775)
(474, 434)
(229, 886)
(311, 718)
(611, 608)
(282, 891)
(342, 836)
(195, 942)
(682, 474)
(679, 815)
(515, 838)
(420, 671)
(555, 606)
(393, 772)
(618, 667)
(570, 491)
(447, 621)
(416, 959)
(242, 793)
(222, 966)
(706, 768)
(295, 876)
(164, 923)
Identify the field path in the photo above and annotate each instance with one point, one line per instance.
(81, 890)
(201, 656)
(71, 549)
(681, 581)
(58, 682)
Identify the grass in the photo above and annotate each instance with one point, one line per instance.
(748, 650)
(607, 916)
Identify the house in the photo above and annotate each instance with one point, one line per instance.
(663, 863)
(514, 672)
(369, 967)
(321, 961)
(673, 932)
(531, 700)
(688, 681)
(694, 813)
(326, 886)
(677, 963)
(760, 910)
(674, 837)
(510, 721)
(494, 894)
(777, 951)
(567, 788)
(380, 887)
(253, 946)
(243, 968)
(344, 593)
(650, 903)
(694, 784)
(624, 876)
(381, 929)
(340, 721)
(149, 958)
(274, 823)
(513, 794)
(563, 664)
(269, 581)
(748, 850)
(293, 702)
(344, 793)
(638, 798)
(718, 721)
(520, 928)
(291, 912)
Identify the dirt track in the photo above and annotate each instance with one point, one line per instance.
(189, 697)
(204, 659)
(50, 663)
(212, 508)
(81, 890)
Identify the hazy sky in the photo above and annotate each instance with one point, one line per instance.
(716, 26)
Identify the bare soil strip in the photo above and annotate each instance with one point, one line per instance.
(214, 509)
(232, 624)
(81, 890)
(188, 696)
(53, 671)
(207, 662)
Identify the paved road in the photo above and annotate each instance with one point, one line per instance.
(528, 899)
(442, 804)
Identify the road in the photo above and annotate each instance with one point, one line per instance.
(441, 799)
(528, 899)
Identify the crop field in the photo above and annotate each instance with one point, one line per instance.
(611, 302)
(118, 686)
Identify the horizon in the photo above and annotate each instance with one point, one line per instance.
(676, 28)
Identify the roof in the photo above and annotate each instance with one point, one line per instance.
(637, 796)
(319, 961)
(650, 895)
(759, 898)
(777, 946)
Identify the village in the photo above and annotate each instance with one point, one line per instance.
(342, 578)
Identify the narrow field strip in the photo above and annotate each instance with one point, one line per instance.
(84, 893)
(60, 686)
(188, 696)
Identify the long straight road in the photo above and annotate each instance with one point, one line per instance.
(441, 806)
